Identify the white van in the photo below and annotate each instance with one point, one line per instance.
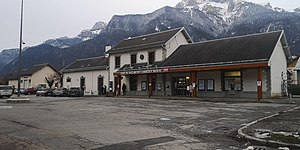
(6, 91)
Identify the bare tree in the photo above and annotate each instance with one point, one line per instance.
(53, 79)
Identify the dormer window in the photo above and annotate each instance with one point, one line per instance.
(133, 59)
(151, 57)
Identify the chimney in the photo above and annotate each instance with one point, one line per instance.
(107, 48)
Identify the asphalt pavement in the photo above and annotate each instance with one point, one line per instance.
(104, 123)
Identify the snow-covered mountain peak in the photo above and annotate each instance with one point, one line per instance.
(224, 11)
(64, 42)
(94, 31)
(99, 26)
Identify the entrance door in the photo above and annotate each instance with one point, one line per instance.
(180, 86)
(100, 86)
(116, 85)
(82, 83)
(25, 84)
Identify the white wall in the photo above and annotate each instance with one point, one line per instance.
(91, 80)
(278, 65)
(175, 42)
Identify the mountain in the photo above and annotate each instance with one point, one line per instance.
(203, 19)
(9, 55)
(64, 42)
(6, 56)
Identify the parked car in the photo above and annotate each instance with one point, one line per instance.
(60, 92)
(49, 92)
(22, 91)
(75, 91)
(6, 91)
(30, 91)
(40, 92)
(294, 89)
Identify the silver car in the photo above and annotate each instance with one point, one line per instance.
(5, 91)
(41, 92)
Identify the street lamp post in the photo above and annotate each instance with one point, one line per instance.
(20, 50)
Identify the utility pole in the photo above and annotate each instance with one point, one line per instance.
(20, 50)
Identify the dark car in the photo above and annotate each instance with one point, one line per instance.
(49, 92)
(60, 92)
(30, 91)
(75, 91)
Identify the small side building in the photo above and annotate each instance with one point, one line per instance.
(90, 74)
(34, 77)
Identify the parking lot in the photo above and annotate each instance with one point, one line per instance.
(126, 123)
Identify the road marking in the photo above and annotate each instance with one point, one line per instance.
(6, 107)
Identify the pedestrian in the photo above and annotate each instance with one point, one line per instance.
(124, 88)
(102, 91)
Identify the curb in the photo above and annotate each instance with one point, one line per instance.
(252, 138)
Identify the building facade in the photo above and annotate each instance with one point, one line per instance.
(143, 51)
(245, 66)
(91, 75)
(169, 64)
(34, 77)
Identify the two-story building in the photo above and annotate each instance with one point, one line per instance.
(140, 52)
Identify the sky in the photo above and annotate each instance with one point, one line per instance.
(47, 19)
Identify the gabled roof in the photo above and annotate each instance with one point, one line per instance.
(153, 40)
(241, 49)
(29, 72)
(88, 64)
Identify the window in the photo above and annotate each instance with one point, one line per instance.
(210, 85)
(68, 79)
(151, 58)
(29, 83)
(133, 83)
(201, 85)
(117, 62)
(232, 80)
(158, 86)
(206, 85)
(144, 85)
(133, 59)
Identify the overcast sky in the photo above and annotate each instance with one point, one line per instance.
(45, 19)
